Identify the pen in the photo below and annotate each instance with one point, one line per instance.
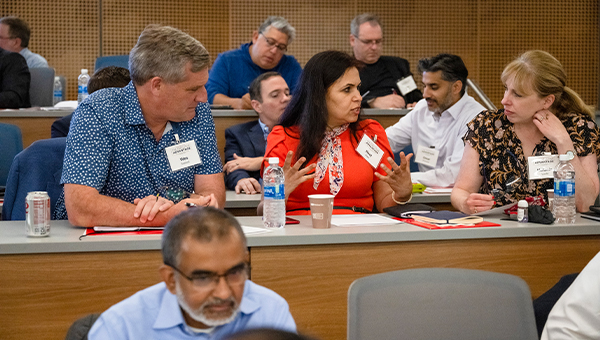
(189, 205)
(366, 93)
(394, 91)
(157, 195)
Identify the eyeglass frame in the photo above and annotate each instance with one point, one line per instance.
(216, 278)
(8, 38)
(376, 42)
(280, 47)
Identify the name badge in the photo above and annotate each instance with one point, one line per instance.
(540, 167)
(427, 156)
(406, 85)
(370, 151)
(183, 155)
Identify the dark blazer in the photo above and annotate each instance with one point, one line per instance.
(245, 140)
(60, 127)
(14, 81)
(398, 68)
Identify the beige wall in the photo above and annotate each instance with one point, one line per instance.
(486, 33)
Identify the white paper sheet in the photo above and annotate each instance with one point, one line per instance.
(497, 210)
(361, 220)
(253, 230)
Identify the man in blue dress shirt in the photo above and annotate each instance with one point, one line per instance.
(126, 145)
(206, 293)
(14, 37)
(245, 143)
(234, 70)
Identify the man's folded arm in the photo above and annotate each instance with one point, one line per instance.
(211, 184)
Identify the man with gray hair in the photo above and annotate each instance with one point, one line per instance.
(139, 155)
(234, 70)
(14, 37)
(205, 293)
(387, 82)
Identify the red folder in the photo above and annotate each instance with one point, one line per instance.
(432, 226)
(92, 232)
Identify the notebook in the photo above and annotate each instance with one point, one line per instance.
(447, 217)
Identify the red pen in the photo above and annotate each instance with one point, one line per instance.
(394, 91)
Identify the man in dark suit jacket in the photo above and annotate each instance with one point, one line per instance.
(245, 143)
(386, 81)
(14, 80)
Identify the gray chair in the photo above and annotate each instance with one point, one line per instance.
(440, 303)
(41, 87)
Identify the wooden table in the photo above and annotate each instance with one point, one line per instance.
(50, 282)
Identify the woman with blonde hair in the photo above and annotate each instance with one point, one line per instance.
(541, 114)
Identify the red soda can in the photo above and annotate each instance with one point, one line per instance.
(37, 214)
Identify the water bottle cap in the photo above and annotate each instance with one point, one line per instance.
(273, 160)
(523, 204)
(566, 157)
(56, 78)
(84, 71)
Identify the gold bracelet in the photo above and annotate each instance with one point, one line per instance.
(401, 203)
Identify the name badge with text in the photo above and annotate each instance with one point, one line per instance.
(370, 151)
(406, 85)
(540, 167)
(427, 156)
(183, 155)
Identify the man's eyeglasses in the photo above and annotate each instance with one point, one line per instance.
(370, 42)
(6, 38)
(273, 43)
(209, 280)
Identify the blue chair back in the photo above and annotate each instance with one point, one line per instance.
(414, 167)
(11, 143)
(112, 60)
(37, 168)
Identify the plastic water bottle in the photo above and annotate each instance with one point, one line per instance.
(82, 85)
(563, 206)
(58, 95)
(274, 195)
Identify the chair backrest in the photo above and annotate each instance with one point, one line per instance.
(81, 327)
(37, 168)
(41, 88)
(11, 143)
(414, 167)
(440, 303)
(112, 60)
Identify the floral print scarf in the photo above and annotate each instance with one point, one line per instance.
(330, 156)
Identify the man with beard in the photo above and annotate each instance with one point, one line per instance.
(246, 143)
(438, 122)
(206, 293)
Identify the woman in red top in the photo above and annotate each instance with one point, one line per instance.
(322, 124)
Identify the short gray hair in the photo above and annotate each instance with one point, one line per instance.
(281, 25)
(201, 224)
(361, 19)
(164, 51)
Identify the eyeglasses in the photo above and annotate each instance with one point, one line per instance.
(209, 280)
(370, 42)
(273, 43)
(7, 38)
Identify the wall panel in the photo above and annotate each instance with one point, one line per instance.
(487, 34)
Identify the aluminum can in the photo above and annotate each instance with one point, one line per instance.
(37, 214)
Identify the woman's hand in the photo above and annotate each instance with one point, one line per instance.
(398, 177)
(293, 175)
(551, 127)
(477, 203)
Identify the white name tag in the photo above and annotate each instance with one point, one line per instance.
(540, 167)
(183, 155)
(427, 156)
(370, 151)
(406, 85)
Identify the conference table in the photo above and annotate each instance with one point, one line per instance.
(47, 283)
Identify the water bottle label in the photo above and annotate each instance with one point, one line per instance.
(82, 89)
(57, 93)
(564, 187)
(274, 192)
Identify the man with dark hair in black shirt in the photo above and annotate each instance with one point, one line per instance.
(386, 81)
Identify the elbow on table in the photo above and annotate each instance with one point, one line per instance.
(79, 218)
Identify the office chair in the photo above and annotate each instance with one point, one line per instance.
(414, 167)
(112, 60)
(544, 303)
(11, 143)
(81, 327)
(37, 168)
(41, 88)
(440, 303)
